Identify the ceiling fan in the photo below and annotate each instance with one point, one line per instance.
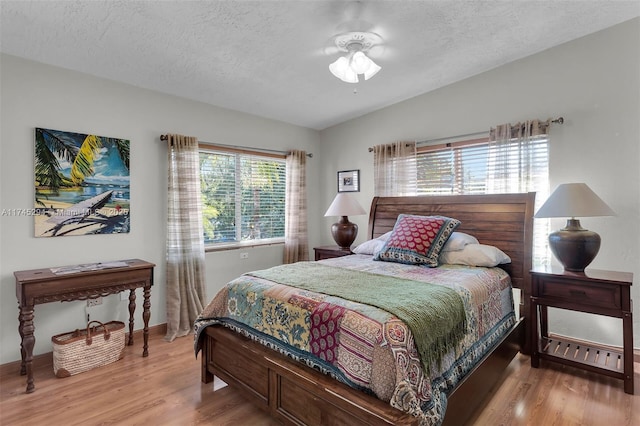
(357, 45)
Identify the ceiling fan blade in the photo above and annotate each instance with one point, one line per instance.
(332, 50)
(377, 51)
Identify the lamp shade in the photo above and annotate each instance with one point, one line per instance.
(348, 68)
(360, 63)
(574, 246)
(574, 200)
(345, 205)
(373, 70)
(341, 69)
(344, 232)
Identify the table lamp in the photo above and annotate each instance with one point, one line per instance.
(574, 246)
(344, 232)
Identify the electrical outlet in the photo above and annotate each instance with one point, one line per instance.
(94, 302)
(244, 255)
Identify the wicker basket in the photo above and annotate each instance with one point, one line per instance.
(82, 350)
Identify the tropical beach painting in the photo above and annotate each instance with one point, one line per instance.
(81, 184)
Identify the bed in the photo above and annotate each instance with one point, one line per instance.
(301, 388)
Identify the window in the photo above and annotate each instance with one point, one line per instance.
(459, 168)
(480, 167)
(243, 197)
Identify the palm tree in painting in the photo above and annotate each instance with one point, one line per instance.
(50, 146)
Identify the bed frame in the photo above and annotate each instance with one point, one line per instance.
(297, 394)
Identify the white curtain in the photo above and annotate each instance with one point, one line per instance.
(518, 162)
(296, 246)
(513, 147)
(185, 285)
(394, 169)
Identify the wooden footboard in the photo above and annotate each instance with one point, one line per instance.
(290, 391)
(297, 394)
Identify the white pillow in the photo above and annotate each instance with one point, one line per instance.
(458, 241)
(475, 255)
(372, 246)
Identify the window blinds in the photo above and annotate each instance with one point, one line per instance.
(243, 196)
(517, 165)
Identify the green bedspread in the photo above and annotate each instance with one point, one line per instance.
(434, 314)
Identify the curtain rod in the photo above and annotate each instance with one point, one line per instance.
(559, 120)
(310, 154)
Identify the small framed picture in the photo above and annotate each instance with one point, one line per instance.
(349, 181)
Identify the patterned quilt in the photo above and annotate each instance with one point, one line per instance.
(364, 346)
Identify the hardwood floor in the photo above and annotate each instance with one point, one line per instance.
(165, 389)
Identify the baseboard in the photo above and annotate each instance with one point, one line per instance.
(14, 366)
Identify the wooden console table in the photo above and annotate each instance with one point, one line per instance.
(43, 286)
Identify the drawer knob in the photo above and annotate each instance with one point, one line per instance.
(578, 293)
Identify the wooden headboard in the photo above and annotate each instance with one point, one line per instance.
(501, 220)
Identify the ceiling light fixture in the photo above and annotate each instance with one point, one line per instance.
(356, 44)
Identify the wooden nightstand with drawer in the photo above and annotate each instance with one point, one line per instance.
(594, 291)
(328, 252)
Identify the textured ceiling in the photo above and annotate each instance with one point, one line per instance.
(270, 58)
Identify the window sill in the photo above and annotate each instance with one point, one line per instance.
(242, 245)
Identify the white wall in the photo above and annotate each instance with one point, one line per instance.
(36, 95)
(594, 83)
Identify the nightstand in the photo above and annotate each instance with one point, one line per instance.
(596, 292)
(328, 252)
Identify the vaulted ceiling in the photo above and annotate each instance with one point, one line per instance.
(270, 58)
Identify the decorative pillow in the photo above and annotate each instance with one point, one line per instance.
(458, 240)
(372, 246)
(475, 255)
(417, 240)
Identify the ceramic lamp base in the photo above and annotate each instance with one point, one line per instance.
(573, 246)
(344, 232)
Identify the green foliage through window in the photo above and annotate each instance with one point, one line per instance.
(243, 197)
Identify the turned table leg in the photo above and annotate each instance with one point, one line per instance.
(28, 340)
(132, 309)
(146, 314)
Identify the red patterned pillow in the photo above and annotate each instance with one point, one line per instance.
(417, 240)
